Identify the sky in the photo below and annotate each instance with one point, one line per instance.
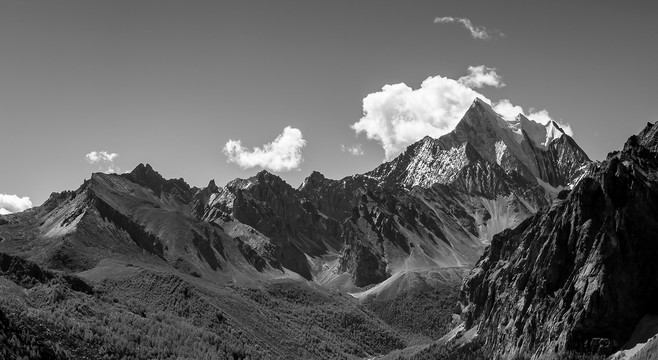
(222, 89)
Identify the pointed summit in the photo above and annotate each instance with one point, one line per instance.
(478, 102)
(146, 176)
(212, 186)
(313, 181)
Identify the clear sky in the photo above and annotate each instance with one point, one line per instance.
(173, 83)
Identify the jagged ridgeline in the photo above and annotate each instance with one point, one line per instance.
(260, 269)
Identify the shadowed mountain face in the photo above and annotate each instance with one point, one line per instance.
(580, 275)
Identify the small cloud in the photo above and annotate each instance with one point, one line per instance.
(355, 150)
(282, 154)
(11, 203)
(480, 76)
(104, 160)
(477, 32)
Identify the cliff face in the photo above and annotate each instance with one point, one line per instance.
(580, 275)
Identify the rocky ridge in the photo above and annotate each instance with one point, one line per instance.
(580, 275)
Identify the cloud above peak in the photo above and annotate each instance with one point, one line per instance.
(398, 115)
(12, 203)
(282, 154)
(103, 160)
(481, 76)
(477, 32)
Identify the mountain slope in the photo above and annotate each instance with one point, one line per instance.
(580, 275)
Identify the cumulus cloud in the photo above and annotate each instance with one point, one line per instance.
(282, 154)
(509, 111)
(477, 32)
(481, 76)
(12, 203)
(355, 150)
(398, 115)
(104, 160)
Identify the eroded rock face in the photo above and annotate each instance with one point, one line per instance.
(580, 275)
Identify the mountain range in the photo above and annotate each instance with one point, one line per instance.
(502, 229)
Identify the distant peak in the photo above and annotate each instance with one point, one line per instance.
(267, 177)
(427, 138)
(146, 176)
(142, 167)
(142, 171)
(212, 186)
(312, 181)
(478, 101)
(264, 173)
(316, 175)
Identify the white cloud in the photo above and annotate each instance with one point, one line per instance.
(104, 160)
(355, 150)
(477, 32)
(398, 115)
(282, 154)
(12, 203)
(509, 111)
(480, 76)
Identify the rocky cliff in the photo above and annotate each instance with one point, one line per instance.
(579, 275)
